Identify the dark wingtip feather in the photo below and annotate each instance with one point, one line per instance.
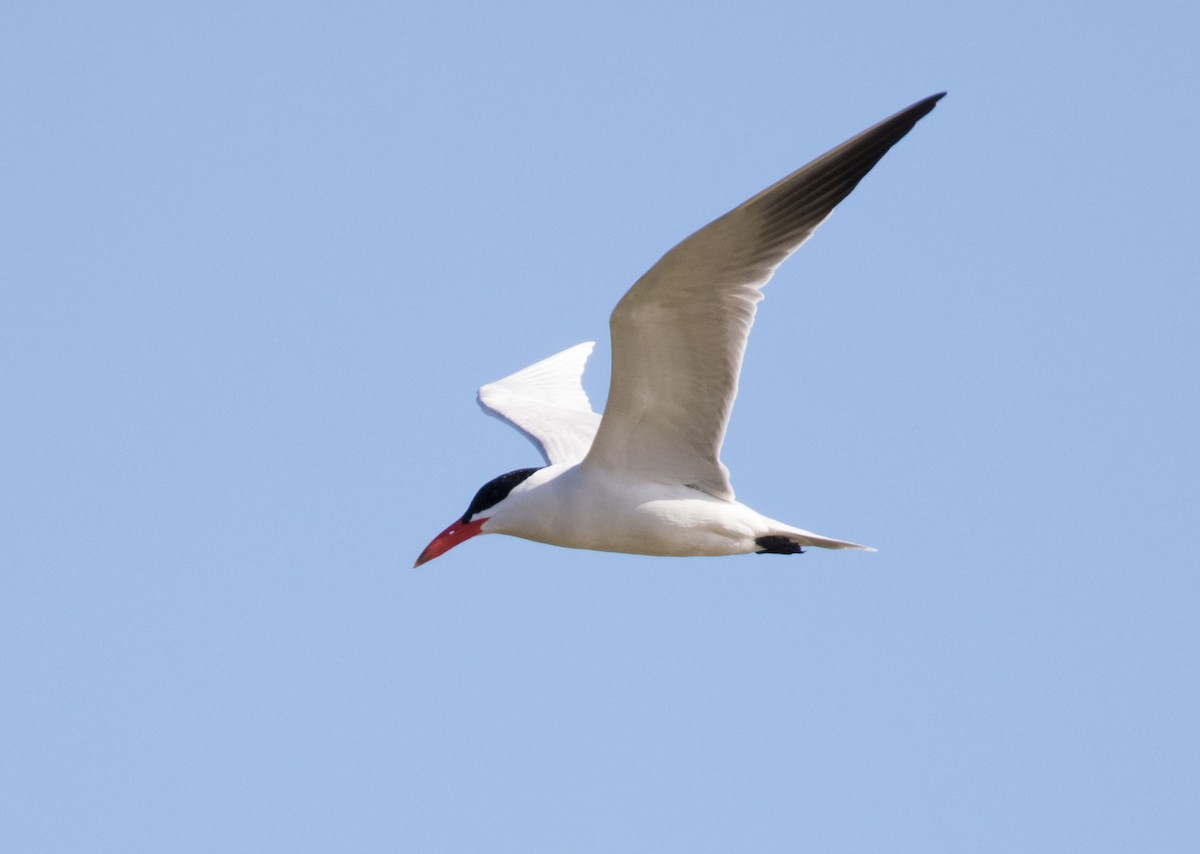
(794, 206)
(923, 106)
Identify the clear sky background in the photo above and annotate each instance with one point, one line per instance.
(257, 257)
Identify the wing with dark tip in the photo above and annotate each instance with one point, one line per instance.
(679, 333)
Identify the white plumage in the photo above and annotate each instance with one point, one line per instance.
(647, 476)
(547, 403)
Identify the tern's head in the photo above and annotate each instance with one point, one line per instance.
(483, 506)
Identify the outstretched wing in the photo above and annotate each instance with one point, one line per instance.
(679, 333)
(547, 403)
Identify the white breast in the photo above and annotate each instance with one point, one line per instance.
(585, 508)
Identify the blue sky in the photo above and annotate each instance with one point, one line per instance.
(256, 259)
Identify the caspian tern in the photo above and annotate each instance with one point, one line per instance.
(646, 478)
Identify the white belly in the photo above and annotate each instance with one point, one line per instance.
(586, 509)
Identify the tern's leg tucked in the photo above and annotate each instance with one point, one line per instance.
(777, 546)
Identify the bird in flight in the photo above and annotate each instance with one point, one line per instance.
(646, 477)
